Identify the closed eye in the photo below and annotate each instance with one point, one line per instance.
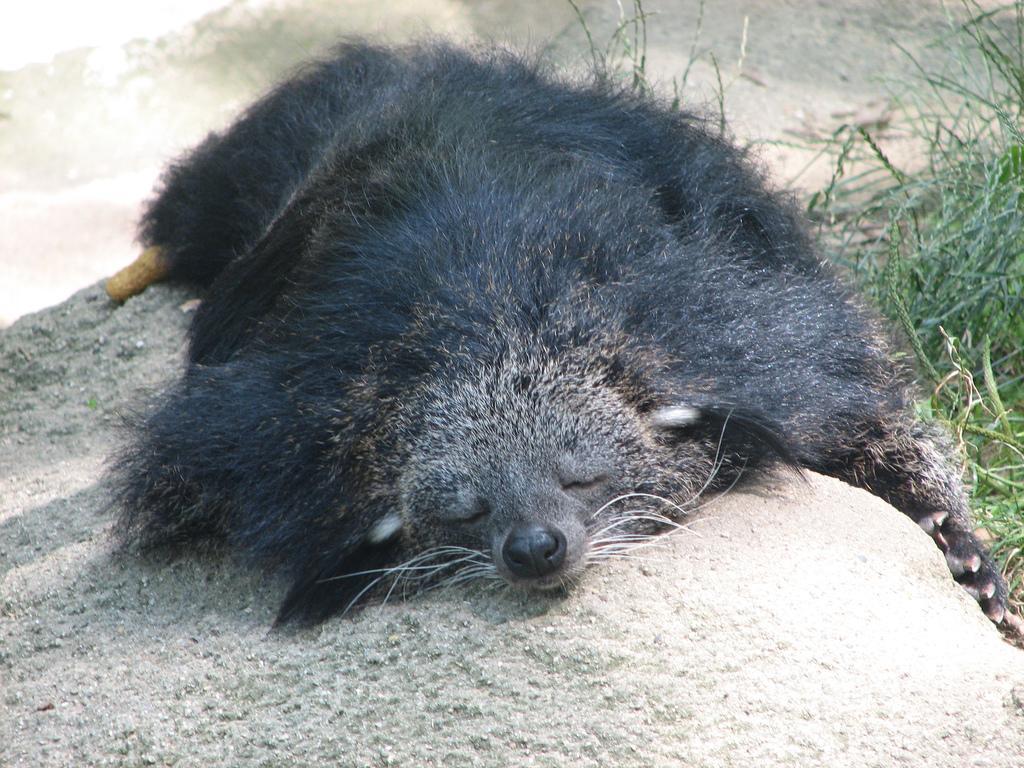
(471, 510)
(587, 484)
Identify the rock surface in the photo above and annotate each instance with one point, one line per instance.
(800, 622)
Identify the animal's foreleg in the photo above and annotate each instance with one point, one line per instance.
(911, 466)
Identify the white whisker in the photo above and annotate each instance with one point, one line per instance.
(639, 494)
(412, 564)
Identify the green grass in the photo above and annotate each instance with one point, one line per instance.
(940, 247)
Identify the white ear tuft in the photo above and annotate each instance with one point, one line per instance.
(385, 529)
(672, 416)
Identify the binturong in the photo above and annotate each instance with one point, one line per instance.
(465, 318)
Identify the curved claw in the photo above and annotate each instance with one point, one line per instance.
(995, 611)
(933, 522)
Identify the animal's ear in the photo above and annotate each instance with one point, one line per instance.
(335, 583)
(750, 435)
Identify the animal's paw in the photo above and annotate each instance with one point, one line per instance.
(970, 564)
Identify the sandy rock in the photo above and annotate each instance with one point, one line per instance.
(800, 622)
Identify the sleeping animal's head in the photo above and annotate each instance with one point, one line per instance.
(527, 469)
(515, 463)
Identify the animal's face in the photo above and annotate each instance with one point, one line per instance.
(524, 464)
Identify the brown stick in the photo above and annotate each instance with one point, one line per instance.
(150, 267)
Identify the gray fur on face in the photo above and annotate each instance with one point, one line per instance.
(529, 441)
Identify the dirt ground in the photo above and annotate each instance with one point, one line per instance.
(84, 135)
(799, 623)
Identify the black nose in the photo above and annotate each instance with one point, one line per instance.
(534, 550)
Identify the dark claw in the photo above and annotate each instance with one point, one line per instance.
(995, 611)
(956, 565)
(933, 522)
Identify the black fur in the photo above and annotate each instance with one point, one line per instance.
(390, 225)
